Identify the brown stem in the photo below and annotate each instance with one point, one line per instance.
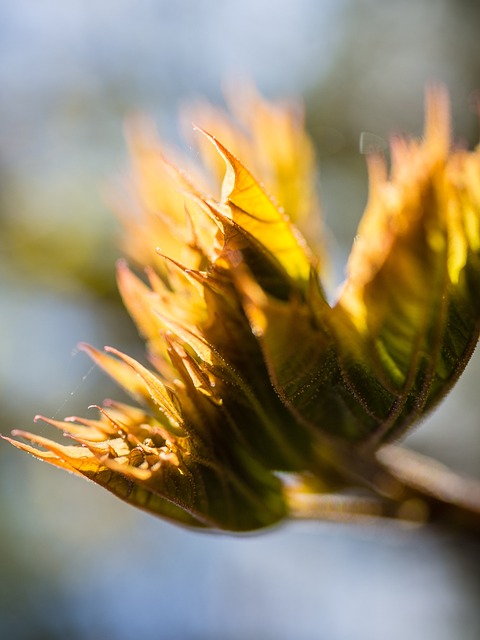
(408, 488)
(447, 497)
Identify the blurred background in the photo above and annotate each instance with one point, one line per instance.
(75, 562)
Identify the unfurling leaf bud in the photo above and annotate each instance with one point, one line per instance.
(253, 372)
